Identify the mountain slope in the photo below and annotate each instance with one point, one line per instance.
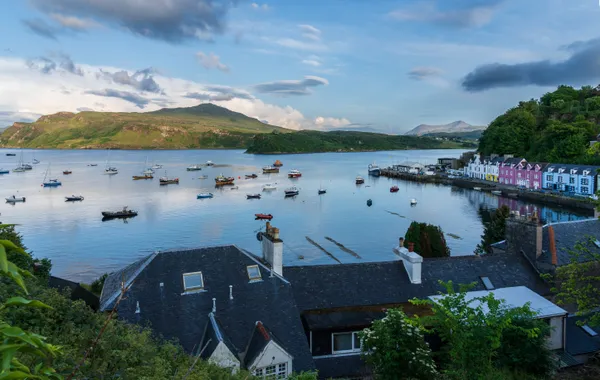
(202, 126)
(457, 126)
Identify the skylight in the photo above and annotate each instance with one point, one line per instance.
(597, 243)
(487, 283)
(253, 272)
(589, 330)
(193, 281)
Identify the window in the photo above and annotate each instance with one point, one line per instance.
(584, 189)
(589, 330)
(560, 179)
(253, 273)
(345, 342)
(550, 178)
(585, 181)
(193, 281)
(572, 180)
(275, 371)
(487, 283)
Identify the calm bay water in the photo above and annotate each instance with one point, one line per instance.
(82, 246)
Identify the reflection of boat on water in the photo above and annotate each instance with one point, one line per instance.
(15, 199)
(292, 191)
(124, 213)
(374, 170)
(74, 198)
(496, 192)
(270, 169)
(204, 196)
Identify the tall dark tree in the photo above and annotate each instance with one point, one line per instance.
(428, 240)
(494, 229)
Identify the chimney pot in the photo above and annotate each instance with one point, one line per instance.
(214, 308)
(411, 247)
(230, 292)
(137, 307)
(412, 263)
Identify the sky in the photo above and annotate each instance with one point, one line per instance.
(311, 64)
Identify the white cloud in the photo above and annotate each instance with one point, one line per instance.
(293, 43)
(330, 122)
(72, 22)
(468, 17)
(312, 60)
(30, 92)
(264, 7)
(310, 32)
(211, 61)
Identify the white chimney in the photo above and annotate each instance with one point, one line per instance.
(230, 292)
(214, 309)
(412, 263)
(272, 249)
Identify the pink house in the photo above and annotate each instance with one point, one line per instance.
(508, 170)
(534, 175)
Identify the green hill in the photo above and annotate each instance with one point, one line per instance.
(340, 141)
(202, 126)
(556, 128)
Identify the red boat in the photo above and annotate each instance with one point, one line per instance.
(263, 216)
(394, 189)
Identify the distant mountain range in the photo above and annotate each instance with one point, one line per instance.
(454, 127)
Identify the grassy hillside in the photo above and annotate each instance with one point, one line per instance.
(556, 128)
(202, 126)
(340, 141)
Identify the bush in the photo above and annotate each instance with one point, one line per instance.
(428, 239)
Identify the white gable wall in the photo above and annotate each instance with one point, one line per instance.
(272, 354)
(555, 340)
(223, 357)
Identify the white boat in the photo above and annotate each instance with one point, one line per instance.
(269, 187)
(204, 196)
(203, 177)
(359, 180)
(156, 166)
(4, 171)
(294, 173)
(148, 171)
(477, 188)
(292, 191)
(413, 202)
(35, 161)
(496, 192)
(209, 163)
(193, 168)
(109, 170)
(15, 199)
(374, 170)
(22, 167)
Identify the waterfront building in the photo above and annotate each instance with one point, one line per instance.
(493, 169)
(508, 170)
(572, 178)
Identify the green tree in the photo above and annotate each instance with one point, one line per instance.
(428, 240)
(394, 347)
(493, 230)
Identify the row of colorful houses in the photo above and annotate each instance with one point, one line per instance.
(508, 170)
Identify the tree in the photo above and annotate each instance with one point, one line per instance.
(494, 230)
(395, 348)
(428, 240)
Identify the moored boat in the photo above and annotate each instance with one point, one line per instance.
(294, 173)
(369, 202)
(124, 213)
(221, 180)
(322, 191)
(74, 198)
(4, 171)
(11, 154)
(92, 164)
(292, 191)
(156, 166)
(360, 180)
(253, 196)
(210, 163)
(263, 216)
(35, 161)
(270, 169)
(394, 189)
(193, 168)
(49, 181)
(67, 172)
(15, 199)
(248, 176)
(110, 170)
(374, 170)
(269, 187)
(203, 177)
(278, 164)
(204, 196)
(496, 192)
(413, 202)
(168, 181)
(477, 188)
(143, 176)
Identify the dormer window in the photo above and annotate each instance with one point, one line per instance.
(253, 273)
(193, 281)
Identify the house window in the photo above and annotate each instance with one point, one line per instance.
(253, 273)
(572, 180)
(193, 281)
(585, 181)
(584, 189)
(560, 179)
(275, 371)
(549, 178)
(345, 342)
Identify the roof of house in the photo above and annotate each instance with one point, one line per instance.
(567, 235)
(512, 161)
(214, 335)
(497, 160)
(157, 285)
(78, 292)
(578, 341)
(516, 296)
(579, 169)
(387, 283)
(261, 336)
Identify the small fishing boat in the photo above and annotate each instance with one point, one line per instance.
(248, 176)
(67, 172)
(369, 202)
(394, 189)
(210, 163)
(253, 196)
(269, 187)
(221, 180)
(124, 213)
(111, 170)
(270, 169)
(27, 167)
(193, 168)
(168, 181)
(477, 188)
(294, 173)
(359, 180)
(15, 199)
(156, 166)
(19, 169)
(496, 192)
(74, 198)
(278, 164)
(49, 181)
(374, 170)
(92, 164)
(203, 177)
(204, 196)
(263, 216)
(413, 202)
(143, 176)
(11, 154)
(322, 191)
(292, 191)
(4, 171)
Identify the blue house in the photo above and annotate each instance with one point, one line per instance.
(576, 179)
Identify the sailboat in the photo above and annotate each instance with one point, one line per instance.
(321, 189)
(35, 160)
(110, 170)
(21, 167)
(49, 181)
(146, 173)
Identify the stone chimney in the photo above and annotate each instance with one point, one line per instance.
(412, 262)
(272, 249)
(524, 236)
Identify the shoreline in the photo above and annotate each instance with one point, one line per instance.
(507, 191)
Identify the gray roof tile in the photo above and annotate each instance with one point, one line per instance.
(567, 235)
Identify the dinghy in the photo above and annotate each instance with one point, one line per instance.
(204, 196)
(15, 199)
(74, 198)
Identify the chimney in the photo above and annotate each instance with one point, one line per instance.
(230, 292)
(524, 236)
(137, 307)
(214, 309)
(412, 262)
(552, 244)
(272, 249)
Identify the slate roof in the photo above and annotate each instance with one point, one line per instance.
(261, 336)
(497, 160)
(386, 283)
(185, 316)
(214, 335)
(348, 366)
(568, 167)
(512, 161)
(579, 342)
(567, 235)
(78, 292)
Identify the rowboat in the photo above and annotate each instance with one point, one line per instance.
(263, 216)
(248, 176)
(74, 198)
(413, 202)
(14, 199)
(67, 172)
(209, 163)
(204, 196)
(253, 196)
(124, 213)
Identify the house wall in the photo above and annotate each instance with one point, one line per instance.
(556, 338)
(223, 357)
(272, 354)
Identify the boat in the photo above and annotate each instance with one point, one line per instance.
(156, 166)
(269, 187)
(394, 189)
(496, 192)
(11, 154)
(143, 176)
(209, 163)
(263, 216)
(15, 199)
(148, 171)
(35, 161)
(27, 167)
(204, 196)
(221, 180)
(4, 171)
(374, 170)
(294, 173)
(67, 172)
(19, 169)
(248, 176)
(48, 181)
(203, 177)
(74, 198)
(109, 170)
(413, 202)
(22, 167)
(477, 188)
(360, 180)
(277, 164)
(270, 169)
(322, 191)
(168, 181)
(193, 168)
(92, 164)
(124, 213)
(253, 196)
(292, 191)
(369, 202)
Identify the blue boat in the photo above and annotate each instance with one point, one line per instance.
(204, 196)
(4, 171)
(50, 182)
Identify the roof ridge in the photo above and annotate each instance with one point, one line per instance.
(570, 222)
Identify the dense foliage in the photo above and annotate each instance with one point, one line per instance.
(394, 347)
(429, 240)
(556, 128)
(341, 141)
(494, 229)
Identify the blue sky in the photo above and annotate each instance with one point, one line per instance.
(316, 64)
